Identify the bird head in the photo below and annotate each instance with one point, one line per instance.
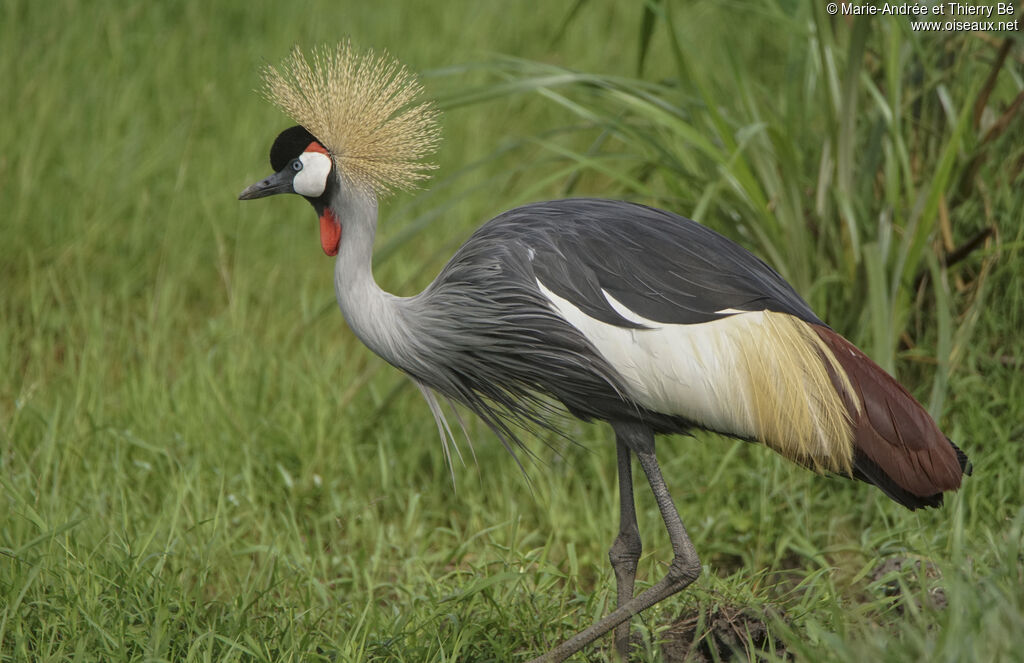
(361, 132)
(302, 165)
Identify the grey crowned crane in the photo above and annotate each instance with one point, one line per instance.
(619, 312)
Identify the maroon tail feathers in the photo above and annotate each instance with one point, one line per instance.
(897, 445)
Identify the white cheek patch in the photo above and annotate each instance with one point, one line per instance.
(312, 179)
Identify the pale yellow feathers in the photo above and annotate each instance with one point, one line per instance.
(795, 406)
(363, 107)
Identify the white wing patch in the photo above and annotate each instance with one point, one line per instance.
(684, 370)
(754, 374)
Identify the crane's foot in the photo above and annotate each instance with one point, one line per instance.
(684, 569)
(680, 575)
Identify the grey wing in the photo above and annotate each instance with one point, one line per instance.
(496, 342)
(659, 265)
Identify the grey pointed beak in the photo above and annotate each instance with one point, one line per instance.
(279, 182)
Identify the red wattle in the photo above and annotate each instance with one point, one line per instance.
(330, 232)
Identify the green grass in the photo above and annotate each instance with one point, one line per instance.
(198, 461)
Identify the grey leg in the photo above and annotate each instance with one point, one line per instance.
(683, 570)
(625, 551)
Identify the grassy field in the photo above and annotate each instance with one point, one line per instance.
(199, 462)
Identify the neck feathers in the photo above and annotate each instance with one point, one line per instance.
(375, 316)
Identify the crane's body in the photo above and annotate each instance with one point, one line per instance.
(619, 312)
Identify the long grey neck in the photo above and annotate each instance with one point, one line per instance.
(375, 316)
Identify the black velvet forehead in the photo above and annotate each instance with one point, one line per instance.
(289, 144)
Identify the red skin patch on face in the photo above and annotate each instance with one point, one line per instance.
(330, 227)
(330, 232)
(315, 146)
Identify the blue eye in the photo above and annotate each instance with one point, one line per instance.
(296, 165)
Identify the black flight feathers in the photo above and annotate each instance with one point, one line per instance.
(659, 265)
